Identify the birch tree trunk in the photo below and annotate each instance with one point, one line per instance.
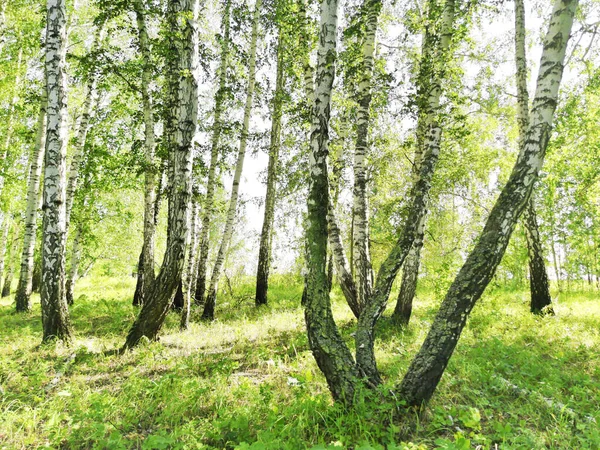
(10, 122)
(191, 265)
(264, 251)
(429, 364)
(73, 269)
(208, 212)
(181, 16)
(3, 244)
(211, 298)
(331, 353)
(55, 314)
(145, 276)
(538, 277)
(24, 287)
(430, 81)
(81, 136)
(362, 259)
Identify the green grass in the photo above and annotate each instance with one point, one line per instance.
(248, 380)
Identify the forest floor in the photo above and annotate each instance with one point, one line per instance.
(249, 381)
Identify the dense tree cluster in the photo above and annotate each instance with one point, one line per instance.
(400, 147)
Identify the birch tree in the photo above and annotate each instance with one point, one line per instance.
(429, 364)
(181, 17)
(211, 298)
(146, 275)
(55, 314)
(538, 277)
(331, 353)
(211, 181)
(24, 287)
(266, 235)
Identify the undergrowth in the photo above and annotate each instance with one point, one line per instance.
(249, 381)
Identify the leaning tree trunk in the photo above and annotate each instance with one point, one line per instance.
(430, 80)
(429, 364)
(426, 106)
(55, 314)
(145, 276)
(538, 277)
(74, 269)
(361, 258)
(209, 199)
(264, 250)
(211, 298)
(24, 287)
(331, 353)
(184, 107)
(9, 266)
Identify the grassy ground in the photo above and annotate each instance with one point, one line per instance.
(249, 381)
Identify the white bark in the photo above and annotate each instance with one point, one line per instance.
(211, 182)
(182, 19)
(23, 295)
(55, 316)
(233, 201)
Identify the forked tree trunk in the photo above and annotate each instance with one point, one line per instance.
(55, 314)
(24, 287)
(331, 353)
(266, 236)
(208, 211)
(430, 83)
(211, 298)
(145, 275)
(429, 364)
(362, 258)
(184, 109)
(538, 277)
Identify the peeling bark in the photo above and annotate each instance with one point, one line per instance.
(211, 298)
(429, 364)
(181, 17)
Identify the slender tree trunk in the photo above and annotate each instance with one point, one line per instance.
(11, 116)
(73, 270)
(538, 277)
(331, 353)
(81, 136)
(408, 288)
(362, 259)
(428, 366)
(7, 281)
(24, 287)
(191, 266)
(146, 266)
(184, 109)
(211, 299)
(214, 158)
(264, 252)
(4, 244)
(55, 314)
(430, 81)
